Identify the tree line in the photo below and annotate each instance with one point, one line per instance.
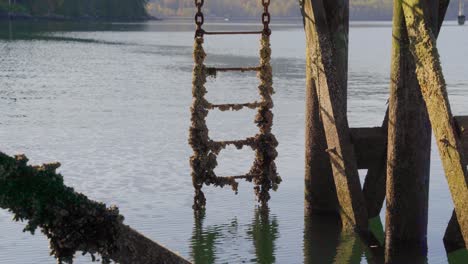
(129, 9)
(359, 9)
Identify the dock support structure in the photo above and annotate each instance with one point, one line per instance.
(434, 91)
(320, 191)
(326, 35)
(409, 144)
(397, 155)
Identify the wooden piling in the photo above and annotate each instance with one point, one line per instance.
(409, 147)
(320, 191)
(434, 91)
(321, 67)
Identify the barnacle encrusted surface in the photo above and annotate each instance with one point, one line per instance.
(263, 172)
(69, 219)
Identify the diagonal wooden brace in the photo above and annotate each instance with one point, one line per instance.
(434, 90)
(340, 148)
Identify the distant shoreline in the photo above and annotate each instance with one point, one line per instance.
(61, 18)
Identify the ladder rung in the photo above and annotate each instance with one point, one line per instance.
(240, 177)
(213, 70)
(237, 143)
(232, 32)
(224, 107)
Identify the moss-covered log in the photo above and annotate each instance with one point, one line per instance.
(434, 90)
(72, 222)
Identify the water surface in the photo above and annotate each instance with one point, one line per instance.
(111, 103)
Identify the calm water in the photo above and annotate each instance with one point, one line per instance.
(111, 103)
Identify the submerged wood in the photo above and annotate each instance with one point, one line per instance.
(434, 90)
(353, 210)
(320, 191)
(70, 220)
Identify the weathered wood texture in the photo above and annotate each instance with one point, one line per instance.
(434, 90)
(320, 191)
(369, 145)
(133, 247)
(462, 127)
(370, 141)
(375, 182)
(409, 146)
(453, 239)
(353, 210)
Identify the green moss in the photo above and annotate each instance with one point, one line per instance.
(458, 257)
(69, 219)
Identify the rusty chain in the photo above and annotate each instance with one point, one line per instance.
(266, 18)
(200, 18)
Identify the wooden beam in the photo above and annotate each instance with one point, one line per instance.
(434, 90)
(375, 182)
(370, 141)
(320, 191)
(369, 145)
(340, 149)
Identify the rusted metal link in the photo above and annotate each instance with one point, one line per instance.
(266, 18)
(199, 19)
(265, 3)
(214, 70)
(199, 3)
(233, 32)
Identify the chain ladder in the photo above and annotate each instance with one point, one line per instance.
(263, 172)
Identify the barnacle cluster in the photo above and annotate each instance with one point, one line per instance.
(70, 220)
(263, 172)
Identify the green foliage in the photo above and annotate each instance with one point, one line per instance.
(252, 7)
(111, 9)
(359, 9)
(6, 7)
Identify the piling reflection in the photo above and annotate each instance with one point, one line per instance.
(203, 241)
(325, 242)
(321, 238)
(264, 232)
(458, 257)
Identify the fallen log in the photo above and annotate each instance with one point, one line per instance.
(70, 220)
